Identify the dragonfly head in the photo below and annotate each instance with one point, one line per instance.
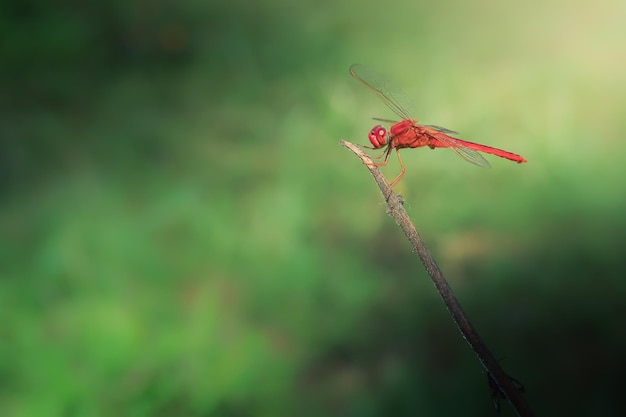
(378, 136)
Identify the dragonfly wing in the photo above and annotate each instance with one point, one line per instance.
(457, 145)
(442, 129)
(472, 156)
(398, 102)
(380, 119)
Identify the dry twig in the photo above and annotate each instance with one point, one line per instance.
(396, 210)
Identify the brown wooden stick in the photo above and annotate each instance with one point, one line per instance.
(397, 211)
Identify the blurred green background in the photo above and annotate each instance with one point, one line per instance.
(182, 235)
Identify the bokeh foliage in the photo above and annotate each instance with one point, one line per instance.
(182, 234)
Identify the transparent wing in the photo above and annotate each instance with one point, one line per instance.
(442, 129)
(472, 156)
(380, 119)
(397, 101)
(458, 146)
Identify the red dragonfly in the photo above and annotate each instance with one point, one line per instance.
(407, 133)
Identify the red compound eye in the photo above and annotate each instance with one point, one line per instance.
(378, 137)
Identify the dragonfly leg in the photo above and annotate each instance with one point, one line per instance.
(381, 155)
(371, 147)
(387, 152)
(399, 177)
